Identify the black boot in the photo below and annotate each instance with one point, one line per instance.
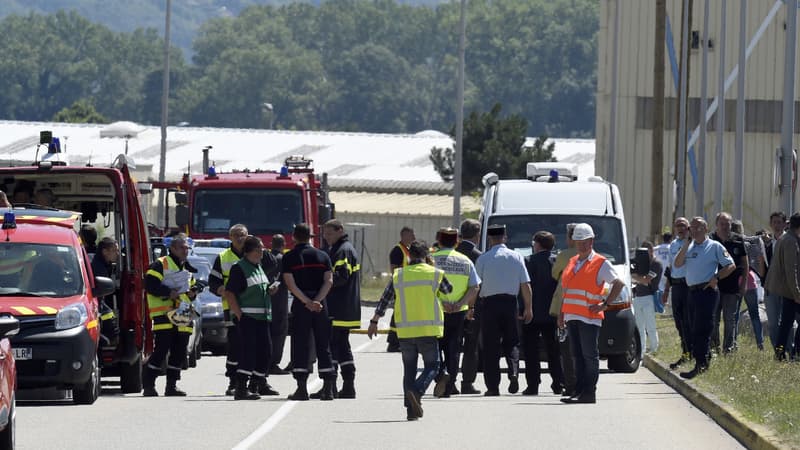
(231, 386)
(262, 387)
(149, 382)
(301, 394)
(318, 395)
(348, 388)
(172, 389)
(242, 391)
(328, 391)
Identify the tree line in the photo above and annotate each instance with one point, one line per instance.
(351, 65)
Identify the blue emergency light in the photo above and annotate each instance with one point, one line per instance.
(284, 172)
(212, 171)
(9, 224)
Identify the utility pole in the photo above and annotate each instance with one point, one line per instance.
(720, 157)
(738, 177)
(700, 195)
(612, 124)
(657, 167)
(162, 171)
(787, 127)
(459, 118)
(680, 208)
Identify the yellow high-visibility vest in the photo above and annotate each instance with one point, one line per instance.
(417, 311)
(457, 267)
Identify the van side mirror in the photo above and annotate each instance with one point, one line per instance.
(181, 215)
(103, 286)
(9, 326)
(157, 251)
(144, 187)
(326, 212)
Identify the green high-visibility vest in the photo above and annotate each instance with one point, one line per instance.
(255, 300)
(457, 267)
(226, 260)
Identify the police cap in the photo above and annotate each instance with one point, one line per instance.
(447, 231)
(496, 230)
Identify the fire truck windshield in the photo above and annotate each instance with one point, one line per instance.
(263, 211)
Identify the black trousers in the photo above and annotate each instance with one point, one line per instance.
(304, 323)
(170, 345)
(232, 359)
(342, 353)
(683, 315)
(500, 337)
(450, 343)
(568, 364)
(789, 312)
(704, 302)
(533, 334)
(278, 329)
(472, 336)
(255, 347)
(391, 337)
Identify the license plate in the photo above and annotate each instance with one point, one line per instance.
(23, 353)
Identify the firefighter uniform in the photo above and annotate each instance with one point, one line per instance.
(399, 257)
(462, 275)
(219, 277)
(250, 285)
(344, 303)
(164, 276)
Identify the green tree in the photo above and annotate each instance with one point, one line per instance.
(492, 144)
(82, 111)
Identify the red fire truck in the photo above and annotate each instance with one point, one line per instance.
(266, 201)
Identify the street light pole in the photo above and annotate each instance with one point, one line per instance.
(162, 171)
(787, 127)
(459, 119)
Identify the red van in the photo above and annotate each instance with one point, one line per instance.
(9, 326)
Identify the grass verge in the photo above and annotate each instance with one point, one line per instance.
(372, 287)
(764, 391)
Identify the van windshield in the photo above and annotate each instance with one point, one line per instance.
(264, 211)
(39, 270)
(520, 230)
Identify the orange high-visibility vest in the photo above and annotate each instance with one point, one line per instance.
(581, 289)
(406, 254)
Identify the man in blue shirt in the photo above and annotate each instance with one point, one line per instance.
(682, 312)
(702, 257)
(503, 275)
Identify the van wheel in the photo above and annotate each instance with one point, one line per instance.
(8, 436)
(88, 393)
(131, 376)
(629, 361)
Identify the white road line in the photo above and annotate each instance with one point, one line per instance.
(283, 411)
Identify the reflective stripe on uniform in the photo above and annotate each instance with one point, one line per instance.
(255, 310)
(347, 323)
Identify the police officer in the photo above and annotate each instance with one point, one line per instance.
(168, 283)
(583, 284)
(733, 288)
(470, 236)
(279, 327)
(398, 257)
(247, 292)
(308, 274)
(702, 257)
(503, 276)
(344, 303)
(462, 275)
(416, 291)
(676, 289)
(216, 283)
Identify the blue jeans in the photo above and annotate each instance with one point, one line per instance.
(751, 299)
(583, 340)
(774, 305)
(411, 348)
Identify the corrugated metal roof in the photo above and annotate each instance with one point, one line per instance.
(391, 186)
(411, 204)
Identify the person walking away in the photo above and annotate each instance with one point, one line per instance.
(503, 276)
(543, 326)
(707, 262)
(279, 327)
(470, 237)
(583, 283)
(398, 257)
(462, 275)
(567, 363)
(419, 316)
(308, 274)
(247, 292)
(344, 303)
(644, 291)
(731, 290)
(676, 291)
(168, 283)
(783, 279)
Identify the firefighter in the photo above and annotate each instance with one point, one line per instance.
(344, 303)
(466, 284)
(103, 266)
(398, 257)
(168, 283)
(216, 283)
(247, 292)
(308, 274)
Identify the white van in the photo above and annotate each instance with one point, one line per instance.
(547, 200)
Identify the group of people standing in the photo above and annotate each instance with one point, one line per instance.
(458, 294)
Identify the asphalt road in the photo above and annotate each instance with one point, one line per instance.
(634, 411)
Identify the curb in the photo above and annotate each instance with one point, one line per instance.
(749, 434)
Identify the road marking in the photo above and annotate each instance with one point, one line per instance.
(283, 411)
